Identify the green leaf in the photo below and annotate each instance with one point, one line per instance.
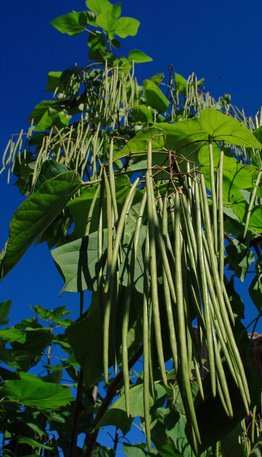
(138, 56)
(72, 23)
(126, 26)
(116, 415)
(238, 179)
(98, 6)
(139, 144)
(78, 262)
(34, 444)
(240, 258)
(28, 353)
(142, 113)
(102, 451)
(88, 329)
(226, 128)
(4, 311)
(97, 46)
(231, 443)
(36, 214)
(255, 288)
(41, 108)
(107, 20)
(155, 97)
(54, 315)
(181, 83)
(136, 450)
(12, 335)
(190, 134)
(49, 169)
(157, 78)
(175, 429)
(52, 117)
(257, 449)
(53, 82)
(32, 391)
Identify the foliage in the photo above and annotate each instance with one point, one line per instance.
(149, 197)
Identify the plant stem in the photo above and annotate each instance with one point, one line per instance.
(79, 396)
(91, 439)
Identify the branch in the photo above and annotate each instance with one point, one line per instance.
(91, 440)
(78, 402)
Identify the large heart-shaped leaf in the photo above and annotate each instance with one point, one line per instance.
(31, 391)
(117, 416)
(211, 125)
(72, 23)
(78, 263)
(154, 96)
(88, 329)
(226, 128)
(139, 144)
(126, 26)
(98, 6)
(36, 214)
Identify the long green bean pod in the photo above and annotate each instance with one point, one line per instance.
(110, 276)
(213, 190)
(107, 307)
(125, 323)
(224, 392)
(153, 266)
(146, 349)
(167, 295)
(111, 175)
(205, 293)
(182, 342)
(221, 216)
(126, 309)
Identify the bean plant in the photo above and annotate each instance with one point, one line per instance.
(148, 196)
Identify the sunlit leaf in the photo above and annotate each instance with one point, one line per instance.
(49, 169)
(33, 443)
(142, 113)
(72, 23)
(36, 214)
(32, 391)
(213, 125)
(55, 315)
(155, 97)
(54, 81)
(52, 117)
(138, 56)
(12, 334)
(139, 144)
(126, 26)
(181, 83)
(98, 6)
(41, 108)
(107, 20)
(184, 137)
(226, 128)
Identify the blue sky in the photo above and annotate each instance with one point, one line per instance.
(218, 40)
